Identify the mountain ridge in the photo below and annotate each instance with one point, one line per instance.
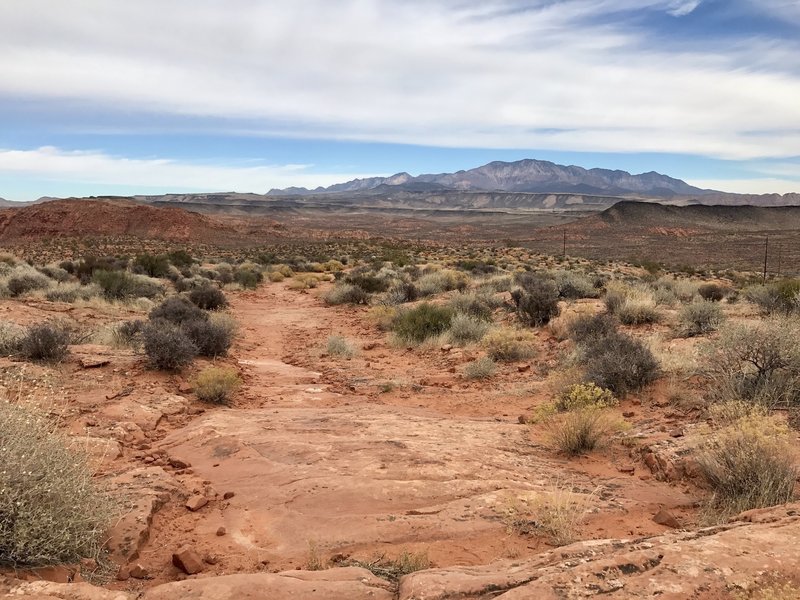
(527, 176)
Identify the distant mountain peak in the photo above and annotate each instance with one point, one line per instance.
(527, 175)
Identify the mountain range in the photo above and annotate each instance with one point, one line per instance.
(523, 176)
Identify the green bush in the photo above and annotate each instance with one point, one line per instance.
(587, 329)
(151, 265)
(52, 511)
(422, 322)
(167, 346)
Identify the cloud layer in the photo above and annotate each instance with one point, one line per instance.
(708, 78)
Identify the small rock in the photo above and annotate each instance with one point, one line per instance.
(221, 531)
(665, 518)
(123, 574)
(177, 463)
(93, 362)
(187, 560)
(629, 469)
(447, 348)
(522, 419)
(211, 559)
(185, 388)
(228, 495)
(139, 572)
(524, 368)
(370, 345)
(629, 414)
(196, 502)
(676, 433)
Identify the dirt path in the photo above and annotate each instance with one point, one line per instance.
(323, 461)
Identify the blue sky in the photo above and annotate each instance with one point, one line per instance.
(102, 97)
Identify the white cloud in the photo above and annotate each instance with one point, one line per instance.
(765, 185)
(499, 73)
(681, 8)
(92, 167)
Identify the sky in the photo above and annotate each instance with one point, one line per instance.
(155, 96)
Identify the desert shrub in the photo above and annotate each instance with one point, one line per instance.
(402, 292)
(167, 346)
(757, 362)
(195, 282)
(779, 297)
(383, 316)
(422, 322)
(580, 431)
(536, 301)
(23, 281)
(47, 342)
(72, 292)
(711, 291)
(151, 265)
(590, 328)
(749, 464)
(89, 265)
(558, 513)
(480, 306)
(507, 344)
(466, 328)
(127, 333)
(248, 275)
(119, 285)
(216, 385)
(572, 286)
(345, 293)
(700, 317)
(638, 308)
(730, 412)
(52, 510)
(211, 337)
(493, 285)
(614, 298)
(55, 273)
(441, 281)
(178, 310)
(275, 276)
(367, 282)
(664, 296)
(10, 337)
(481, 368)
(619, 363)
(340, 346)
(180, 258)
(584, 395)
(208, 298)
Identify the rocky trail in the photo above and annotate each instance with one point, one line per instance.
(330, 461)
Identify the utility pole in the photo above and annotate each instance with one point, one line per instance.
(766, 253)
